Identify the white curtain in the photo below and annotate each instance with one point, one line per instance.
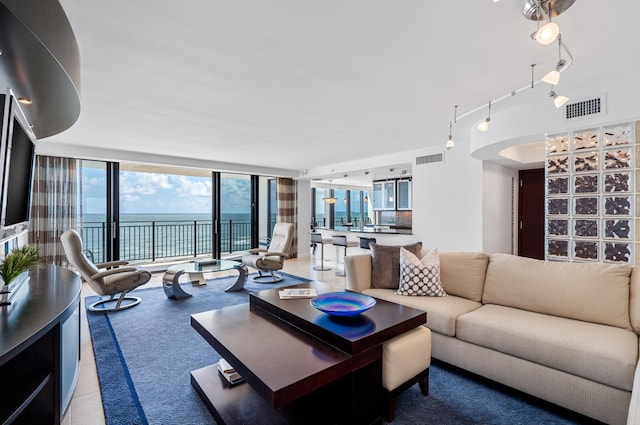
(55, 205)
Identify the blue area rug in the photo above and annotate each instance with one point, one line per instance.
(144, 357)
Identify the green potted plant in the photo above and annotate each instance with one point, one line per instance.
(18, 261)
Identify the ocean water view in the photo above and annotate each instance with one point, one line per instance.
(157, 236)
(148, 217)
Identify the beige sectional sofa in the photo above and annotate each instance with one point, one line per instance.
(563, 332)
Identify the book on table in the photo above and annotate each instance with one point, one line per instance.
(293, 293)
(229, 372)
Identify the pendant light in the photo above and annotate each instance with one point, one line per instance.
(484, 125)
(558, 100)
(553, 77)
(366, 197)
(330, 199)
(450, 144)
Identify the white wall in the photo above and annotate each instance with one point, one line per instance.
(499, 209)
(447, 200)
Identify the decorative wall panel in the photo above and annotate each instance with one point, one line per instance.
(592, 194)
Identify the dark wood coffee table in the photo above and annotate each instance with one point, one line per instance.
(301, 365)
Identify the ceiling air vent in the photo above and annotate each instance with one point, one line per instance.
(584, 108)
(427, 159)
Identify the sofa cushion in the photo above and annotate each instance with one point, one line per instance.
(463, 273)
(442, 312)
(593, 292)
(604, 354)
(385, 264)
(420, 276)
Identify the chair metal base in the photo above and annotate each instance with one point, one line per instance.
(129, 302)
(321, 267)
(272, 277)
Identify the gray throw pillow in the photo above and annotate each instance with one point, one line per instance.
(385, 264)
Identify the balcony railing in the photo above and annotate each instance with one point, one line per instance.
(154, 240)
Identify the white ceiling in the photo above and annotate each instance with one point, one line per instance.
(300, 84)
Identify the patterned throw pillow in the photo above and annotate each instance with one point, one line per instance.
(420, 276)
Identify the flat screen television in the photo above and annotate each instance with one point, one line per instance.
(19, 156)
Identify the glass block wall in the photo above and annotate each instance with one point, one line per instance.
(591, 195)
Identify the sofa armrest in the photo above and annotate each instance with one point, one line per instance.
(358, 270)
(634, 299)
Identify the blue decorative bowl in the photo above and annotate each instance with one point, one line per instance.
(343, 303)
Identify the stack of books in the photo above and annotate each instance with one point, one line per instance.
(229, 372)
(199, 264)
(290, 294)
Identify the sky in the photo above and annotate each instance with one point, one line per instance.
(151, 193)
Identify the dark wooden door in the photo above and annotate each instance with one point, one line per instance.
(531, 214)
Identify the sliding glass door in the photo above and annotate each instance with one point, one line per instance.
(142, 213)
(94, 210)
(235, 213)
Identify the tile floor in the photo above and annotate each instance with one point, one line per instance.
(86, 405)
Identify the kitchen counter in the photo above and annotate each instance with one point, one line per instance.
(383, 235)
(368, 230)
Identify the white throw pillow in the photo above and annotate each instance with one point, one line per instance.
(420, 276)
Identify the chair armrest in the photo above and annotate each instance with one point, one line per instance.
(256, 250)
(111, 264)
(358, 270)
(113, 271)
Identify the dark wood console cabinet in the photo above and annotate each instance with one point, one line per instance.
(40, 348)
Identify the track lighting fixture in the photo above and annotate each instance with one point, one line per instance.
(553, 77)
(548, 33)
(450, 144)
(541, 11)
(484, 125)
(558, 100)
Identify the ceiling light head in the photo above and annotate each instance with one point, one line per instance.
(25, 100)
(552, 77)
(330, 200)
(558, 100)
(450, 143)
(484, 125)
(548, 33)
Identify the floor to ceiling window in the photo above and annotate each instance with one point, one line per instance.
(319, 207)
(94, 209)
(351, 207)
(272, 207)
(164, 214)
(235, 212)
(139, 212)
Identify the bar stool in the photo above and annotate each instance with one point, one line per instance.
(316, 238)
(338, 241)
